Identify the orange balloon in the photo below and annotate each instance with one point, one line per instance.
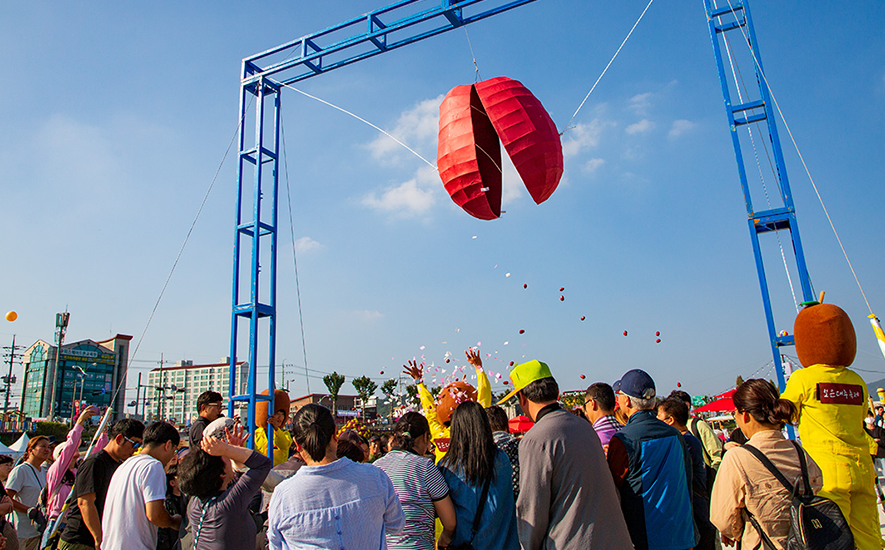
(11, 316)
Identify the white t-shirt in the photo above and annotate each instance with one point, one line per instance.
(124, 524)
(27, 482)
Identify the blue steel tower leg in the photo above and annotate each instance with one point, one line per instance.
(732, 17)
(260, 228)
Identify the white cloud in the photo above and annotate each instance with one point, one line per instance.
(409, 199)
(593, 165)
(583, 136)
(306, 244)
(366, 314)
(417, 127)
(641, 127)
(640, 103)
(680, 127)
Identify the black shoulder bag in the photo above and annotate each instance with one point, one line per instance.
(482, 502)
(816, 523)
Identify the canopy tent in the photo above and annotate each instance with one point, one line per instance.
(21, 445)
(4, 450)
(520, 424)
(722, 402)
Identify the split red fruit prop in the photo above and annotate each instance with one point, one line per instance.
(472, 119)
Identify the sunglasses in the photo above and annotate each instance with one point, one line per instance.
(135, 444)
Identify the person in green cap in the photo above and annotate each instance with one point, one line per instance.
(564, 502)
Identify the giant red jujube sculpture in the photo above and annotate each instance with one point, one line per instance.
(472, 120)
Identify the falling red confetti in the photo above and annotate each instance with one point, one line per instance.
(678, 384)
(561, 288)
(521, 331)
(583, 377)
(657, 333)
(506, 382)
(582, 317)
(658, 341)
(562, 298)
(625, 333)
(382, 372)
(525, 285)
(511, 364)
(447, 360)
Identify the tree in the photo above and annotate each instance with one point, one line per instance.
(333, 383)
(412, 396)
(364, 388)
(388, 388)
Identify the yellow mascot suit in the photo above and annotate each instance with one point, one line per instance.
(831, 401)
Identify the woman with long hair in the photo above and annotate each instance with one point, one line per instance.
(330, 502)
(420, 486)
(748, 503)
(474, 467)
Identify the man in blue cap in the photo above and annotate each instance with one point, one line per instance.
(563, 504)
(651, 467)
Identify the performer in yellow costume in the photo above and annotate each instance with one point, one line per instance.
(439, 412)
(832, 402)
(282, 439)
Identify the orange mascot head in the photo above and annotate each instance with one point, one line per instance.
(824, 336)
(450, 397)
(281, 402)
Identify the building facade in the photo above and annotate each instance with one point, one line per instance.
(349, 406)
(173, 391)
(88, 371)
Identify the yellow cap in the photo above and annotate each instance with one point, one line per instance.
(524, 374)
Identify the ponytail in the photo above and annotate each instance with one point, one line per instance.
(762, 400)
(408, 428)
(313, 429)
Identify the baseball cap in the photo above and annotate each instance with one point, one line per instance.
(636, 383)
(524, 374)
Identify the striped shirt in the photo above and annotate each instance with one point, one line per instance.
(607, 426)
(418, 484)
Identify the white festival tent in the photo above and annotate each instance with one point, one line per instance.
(19, 447)
(4, 450)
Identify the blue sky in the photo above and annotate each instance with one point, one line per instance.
(115, 118)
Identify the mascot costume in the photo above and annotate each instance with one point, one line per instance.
(439, 411)
(282, 439)
(831, 403)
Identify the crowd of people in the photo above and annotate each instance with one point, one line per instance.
(625, 470)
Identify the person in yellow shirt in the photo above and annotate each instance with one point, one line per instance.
(282, 439)
(831, 402)
(439, 412)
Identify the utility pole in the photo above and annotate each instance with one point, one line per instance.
(161, 388)
(8, 379)
(61, 326)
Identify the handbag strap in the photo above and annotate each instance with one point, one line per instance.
(772, 468)
(482, 503)
(804, 466)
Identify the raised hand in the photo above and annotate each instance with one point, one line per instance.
(414, 370)
(87, 413)
(473, 358)
(236, 436)
(213, 446)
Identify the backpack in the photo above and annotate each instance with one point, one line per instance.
(816, 523)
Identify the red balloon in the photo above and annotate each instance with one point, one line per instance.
(521, 331)
(582, 377)
(658, 341)
(472, 118)
(582, 317)
(561, 288)
(678, 384)
(382, 372)
(447, 360)
(506, 382)
(562, 298)
(625, 333)
(511, 363)
(658, 333)
(525, 286)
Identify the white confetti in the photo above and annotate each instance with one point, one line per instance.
(507, 275)
(507, 342)
(421, 348)
(474, 236)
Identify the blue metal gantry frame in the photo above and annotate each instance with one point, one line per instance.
(734, 17)
(376, 32)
